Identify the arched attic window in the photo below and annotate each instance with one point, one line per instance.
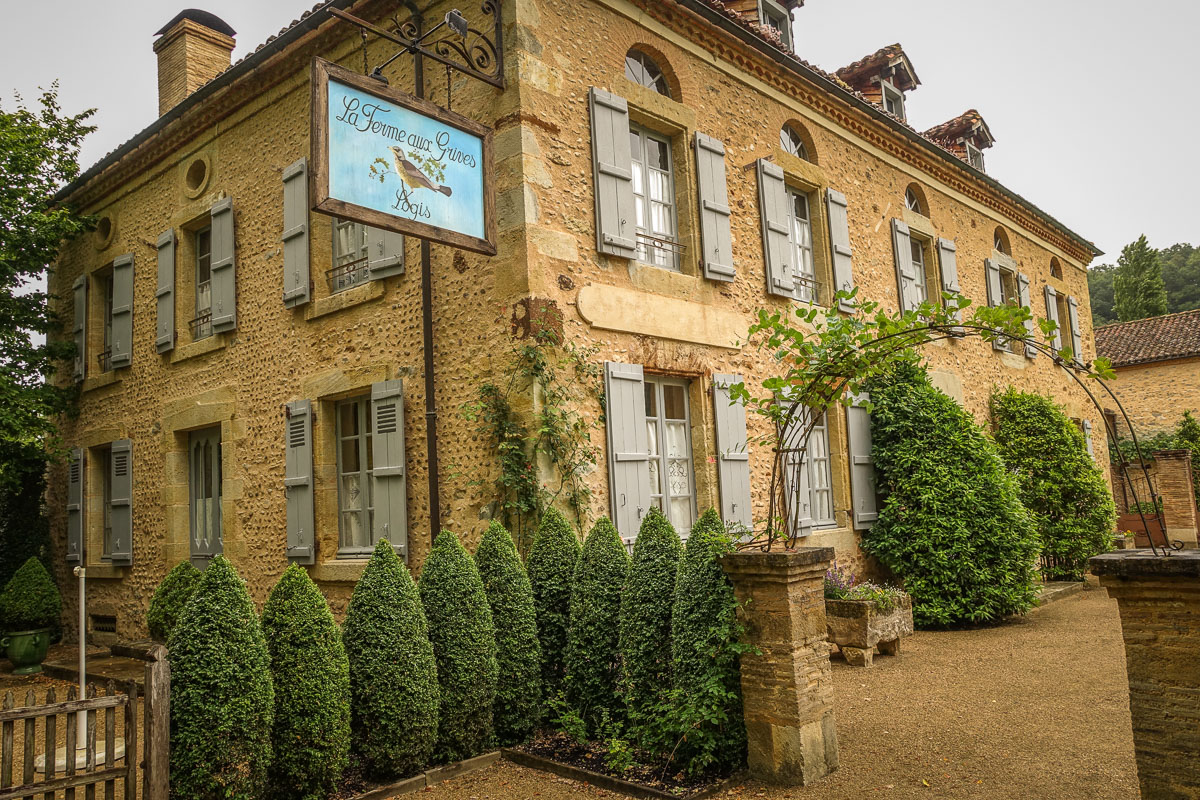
(914, 200)
(1055, 268)
(642, 70)
(1000, 242)
(792, 141)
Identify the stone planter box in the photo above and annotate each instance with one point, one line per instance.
(857, 627)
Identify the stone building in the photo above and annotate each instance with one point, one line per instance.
(251, 373)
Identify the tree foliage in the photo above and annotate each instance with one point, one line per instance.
(24, 527)
(222, 700)
(551, 568)
(592, 658)
(1060, 485)
(311, 677)
(464, 643)
(166, 605)
(951, 525)
(1138, 288)
(1180, 265)
(30, 599)
(518, 654)
(393, 674)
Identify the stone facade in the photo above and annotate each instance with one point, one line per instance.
(237, 141)
(1156, 394)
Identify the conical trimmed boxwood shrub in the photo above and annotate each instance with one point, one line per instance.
(30, 599)
(518, 654)
(593, 660)
(464, 643)
(709, 731)
(311, 677)
(951, 528)
(393, 674)
(551, 567)
(169, 599)
(222, 701)
(645, 642)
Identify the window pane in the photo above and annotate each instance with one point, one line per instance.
(674, 402)
(657, 156)
(651, 405)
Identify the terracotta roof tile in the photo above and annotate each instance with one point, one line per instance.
(1153, 339)
(961, 125)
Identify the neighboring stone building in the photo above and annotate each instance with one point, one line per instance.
(240, 354)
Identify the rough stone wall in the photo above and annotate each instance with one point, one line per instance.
(1155, 395)
(189, 56)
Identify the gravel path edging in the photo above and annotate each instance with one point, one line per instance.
(430, 777)
(607, 782)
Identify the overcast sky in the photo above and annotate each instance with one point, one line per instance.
(1092, 103)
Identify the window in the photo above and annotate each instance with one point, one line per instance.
(654, 198)
(893, 100)
(204, 485)
(642, 70)
(809, 476)
(974, 156)
(105, 286)
(1000, 242)
(920, 284)
(805, 277)
(820, 475)
(912, 202)
(791, 142)
(201, 324)
(777, 19)
(670, 449)
(1008, 288)
(105, 459)
(1055, 268)
(355, 468)
(349, 255)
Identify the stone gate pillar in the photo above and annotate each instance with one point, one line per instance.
(787, 689)
(1159, 601)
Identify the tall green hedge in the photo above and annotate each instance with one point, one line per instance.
(645, 642)
(169, 599)
(24, 527)
(706, 731)
(393, 674)
(593, 659)
(951, 527)
(222, 701)
(464, 642)
(1061, 486)
(30, 599)
(518, 654)
(551, 567)
(311, 677)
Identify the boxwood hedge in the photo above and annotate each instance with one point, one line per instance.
(551, 567)
(169, 599)
(30, 599)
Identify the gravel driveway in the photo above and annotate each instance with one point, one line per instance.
(1035, 708)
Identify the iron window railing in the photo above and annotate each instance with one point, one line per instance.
(104, 360)
(346, 275)
(201, 326)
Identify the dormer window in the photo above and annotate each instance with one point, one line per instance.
(792, 143)
(774, 16)
(974, 156)
(641, 69)
(893, 100)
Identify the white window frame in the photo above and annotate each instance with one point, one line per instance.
(912, 202)
(819, 462)
(975, 157)
(365, 475)
(658, 249)
(656, 427)
(202, 330)
(807, 286)
(350, 266)
(776, 17)
(654, 81)
(888, 88)
(198, 515)
(792, 143)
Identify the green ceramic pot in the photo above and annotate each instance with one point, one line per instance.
(26, 650)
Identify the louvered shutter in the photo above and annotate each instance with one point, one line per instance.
(296, 263)
(385, 253)
(120, 483)
(122, 312)
(906, 276)
(1023, 296)
(797, 482)
(1052, 315)
(733, 454)
(628, 446)
(224, 274)
(994, 294)
(715, 237)
(862, 466)
(79, 292)
(164, 337)
(612, 167)
(1076, 334)
(839, 243)
(1087, 437)
(948, 265)
(298, 483)
(778, 249)
(75, 506)
(390, 474)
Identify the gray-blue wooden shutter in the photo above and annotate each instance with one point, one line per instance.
(1076, 334)
(948, 264)
(385, 253)
(120, 484)
(79, 292)
(865, 509)
(776, 219)
(1087, 437)
(1052, 315)
(298, 483)
(390, 474)
(715, 238)
(1023, 297)
(164, 337)
(838, 211)
(122, 312)
(994, 294)
(296, 262)
(75, 506)
(906, 275)
(224, 274)
(797, 482)
(733, 454)
(612, 169)
(628, 446)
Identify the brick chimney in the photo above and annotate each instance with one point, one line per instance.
(193, 48)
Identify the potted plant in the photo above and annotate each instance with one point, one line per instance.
(30, 607)
(862, 616)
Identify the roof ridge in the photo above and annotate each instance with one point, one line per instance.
(1111, 325)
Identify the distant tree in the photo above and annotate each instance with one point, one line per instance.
(1100, 292)
(1138, 288)
(1181, 274)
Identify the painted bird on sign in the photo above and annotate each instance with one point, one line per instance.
(411, 174)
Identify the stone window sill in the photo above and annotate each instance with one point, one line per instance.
(357, 295)
(100, 381)
(209, 344)
(341, 571)
(105, 571)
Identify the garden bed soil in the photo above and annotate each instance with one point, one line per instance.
(556, 752)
